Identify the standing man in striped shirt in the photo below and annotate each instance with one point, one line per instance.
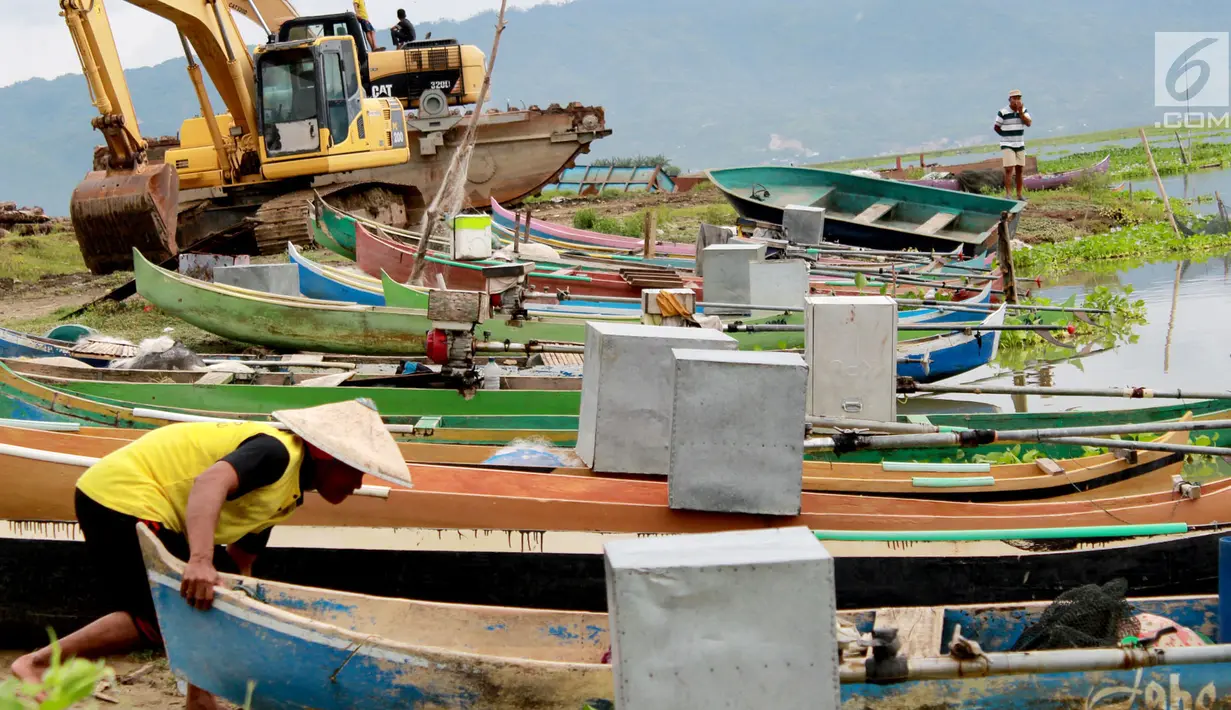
(1011, 124)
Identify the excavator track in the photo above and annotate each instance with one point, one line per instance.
(284, 219)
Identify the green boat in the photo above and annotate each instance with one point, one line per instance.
(479, 421)
(870, 212)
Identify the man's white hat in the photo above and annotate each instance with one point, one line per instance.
(353, 433)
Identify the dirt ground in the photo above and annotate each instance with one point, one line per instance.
(142, 681)
(21, 301)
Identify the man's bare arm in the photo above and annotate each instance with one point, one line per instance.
(209, 492)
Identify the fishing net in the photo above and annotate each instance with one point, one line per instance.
(1090, 616)
(978, 181)
(453, 193)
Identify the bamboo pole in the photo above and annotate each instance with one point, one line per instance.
(1005, 250)
(1087, 660)
(929, 303)
(433, 210)
(1158, 180)
(920, 327)
(517, 232)
(1080, 436)
(1183, 154)
(650, 229)
(1222, 210)
(907, 386)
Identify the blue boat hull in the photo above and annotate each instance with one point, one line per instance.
(300, 647)
(950, 362)
(17, 344)
(314, 284)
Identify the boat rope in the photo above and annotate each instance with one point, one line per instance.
(333, 677)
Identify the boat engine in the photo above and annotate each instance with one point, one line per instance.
(508, 284)
(451, 343)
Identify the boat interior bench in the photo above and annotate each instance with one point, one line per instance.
(878, 210)
(822, 197)
(937, 222)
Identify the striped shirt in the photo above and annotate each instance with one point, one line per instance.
(1012, 129)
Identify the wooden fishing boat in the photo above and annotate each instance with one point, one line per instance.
(27, 400)
(40, 485)
(895, 173)
(565, 571)
(21, 345)
(356, 650)
(322, 326)
(322, 282)
(279, 321)
(581, 237)
(14, 343)
(870, 212)
(928, 356)
(1038, 181)
(942, 356)
(375, 254)
(325, 282)
(1105, 475)
(943, 272)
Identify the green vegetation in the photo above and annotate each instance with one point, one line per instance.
(677, 224)
(64, 684)
(1018, 349)
(1150, 240)
(1130, 162)
(28, 258)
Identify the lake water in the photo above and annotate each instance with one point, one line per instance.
(1193, 185)
(1186, 344)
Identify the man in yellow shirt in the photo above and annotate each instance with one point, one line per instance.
(199, 486)
(361, 11)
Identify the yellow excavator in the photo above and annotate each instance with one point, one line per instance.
(440, 71)
(295, 111)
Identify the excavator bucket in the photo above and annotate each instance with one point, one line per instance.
(114, 212)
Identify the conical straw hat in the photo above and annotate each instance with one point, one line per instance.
(353, 433)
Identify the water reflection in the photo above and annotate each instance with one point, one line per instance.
(1185, 344)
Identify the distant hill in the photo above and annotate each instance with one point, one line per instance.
(719, 82)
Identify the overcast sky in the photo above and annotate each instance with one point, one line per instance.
(36, 41)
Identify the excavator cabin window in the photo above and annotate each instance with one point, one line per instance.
(290, 103)
(335, 97)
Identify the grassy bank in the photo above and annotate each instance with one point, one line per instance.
(30, 258)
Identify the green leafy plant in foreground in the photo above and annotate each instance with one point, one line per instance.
(1018, 348)
(64, 684)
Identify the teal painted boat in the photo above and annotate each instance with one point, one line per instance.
(870, 212)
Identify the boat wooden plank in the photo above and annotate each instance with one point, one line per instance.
(937, 222)
(215, 378)
(876, 211)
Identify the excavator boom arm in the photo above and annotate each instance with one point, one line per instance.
(269, 14)
(210, 28)
(100, 62)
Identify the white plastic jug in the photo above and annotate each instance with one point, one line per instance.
(472, 236)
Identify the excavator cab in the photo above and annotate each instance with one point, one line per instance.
(310, 106)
